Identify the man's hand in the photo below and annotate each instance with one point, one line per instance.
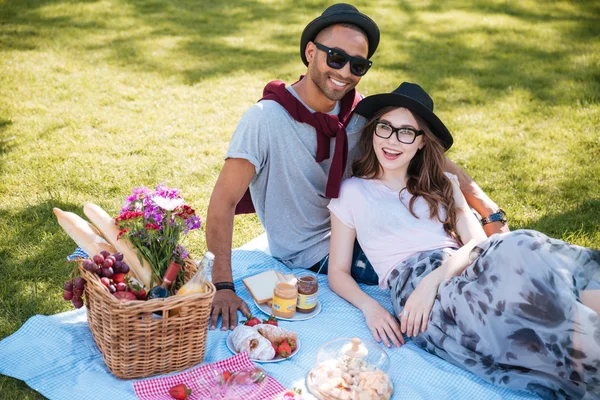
(226, 303)
(382, 324)
(495, 227)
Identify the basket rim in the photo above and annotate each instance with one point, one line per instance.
(155, 304)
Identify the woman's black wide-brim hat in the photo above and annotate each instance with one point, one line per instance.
(338, 14)
(410, 96)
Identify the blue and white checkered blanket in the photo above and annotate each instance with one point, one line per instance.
(57, 356)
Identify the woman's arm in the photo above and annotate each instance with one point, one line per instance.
(418, 305)
(382, 324)
(469, 230)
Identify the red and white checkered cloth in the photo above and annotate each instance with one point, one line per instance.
(203, 381)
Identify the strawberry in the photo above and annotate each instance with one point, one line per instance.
(180, 392)
(223, 377)
(226, 375)
(136, 288)
(118, 278)
(271, 321)
(292, 344)
(292, 394)
(141, 294)
(284, 350)
(275, 346)
(251, 321)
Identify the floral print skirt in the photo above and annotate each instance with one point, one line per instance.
(514, 317)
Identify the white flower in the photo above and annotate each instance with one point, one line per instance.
(167, 204)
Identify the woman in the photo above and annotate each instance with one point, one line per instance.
(518, 309)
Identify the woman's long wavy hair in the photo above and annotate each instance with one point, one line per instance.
(425, 176)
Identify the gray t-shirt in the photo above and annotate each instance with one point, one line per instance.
(288, 190)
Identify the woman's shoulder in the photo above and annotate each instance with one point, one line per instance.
(352, 187)
(354, 183)
(452, 177)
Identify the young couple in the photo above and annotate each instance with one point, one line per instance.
(293, 148)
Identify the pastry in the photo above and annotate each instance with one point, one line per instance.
(246, 338)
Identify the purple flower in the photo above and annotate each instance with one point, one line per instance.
(163, 191)
(192, 222)
(139, 193)
(179, 253)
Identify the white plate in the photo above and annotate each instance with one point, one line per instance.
(297, 317)
(276, 359)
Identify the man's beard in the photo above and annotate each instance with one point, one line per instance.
(321, 80)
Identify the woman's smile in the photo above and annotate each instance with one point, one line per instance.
(391, 154)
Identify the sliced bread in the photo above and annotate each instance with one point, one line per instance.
(261, 286)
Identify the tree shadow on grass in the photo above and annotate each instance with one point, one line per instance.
(5, 141)
(33, 263)
(212, 33)
(201, 30)
(510, 57)
(582, 221)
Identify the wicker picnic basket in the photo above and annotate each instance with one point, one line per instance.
(135, 342)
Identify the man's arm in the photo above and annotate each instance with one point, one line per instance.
(231, 185)
(476, 198)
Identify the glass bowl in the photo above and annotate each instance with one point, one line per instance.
(348, 369)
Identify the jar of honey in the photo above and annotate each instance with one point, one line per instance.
(308, 291)
(285, 297)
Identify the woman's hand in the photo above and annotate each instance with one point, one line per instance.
(415, 314)
(382, 324)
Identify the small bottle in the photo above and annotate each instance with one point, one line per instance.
(162, 291)
(197, 283)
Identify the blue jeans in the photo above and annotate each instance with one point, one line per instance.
(362, 271)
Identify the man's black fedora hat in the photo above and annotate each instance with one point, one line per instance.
(338, 14)
(410, 96)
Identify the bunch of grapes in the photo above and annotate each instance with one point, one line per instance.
(74, 291)
(106, 265)
(112, 271)
(109, 267)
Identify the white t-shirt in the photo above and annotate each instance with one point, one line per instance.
(385, 229)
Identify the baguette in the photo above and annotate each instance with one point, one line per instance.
(110, 231)
(83, 233)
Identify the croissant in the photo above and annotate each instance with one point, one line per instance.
(246, 338)
(275, 334)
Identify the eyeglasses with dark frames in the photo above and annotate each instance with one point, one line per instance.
(404, 134)
(337, 58)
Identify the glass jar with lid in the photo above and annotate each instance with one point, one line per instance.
(285, 297)
(308, 292)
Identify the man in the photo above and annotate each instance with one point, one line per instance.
(282, 150)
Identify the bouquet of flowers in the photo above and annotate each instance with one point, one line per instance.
(155, 223)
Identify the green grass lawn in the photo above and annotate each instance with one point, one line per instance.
(101, 96)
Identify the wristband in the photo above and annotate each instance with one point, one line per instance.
(225, 286)
(499, 215)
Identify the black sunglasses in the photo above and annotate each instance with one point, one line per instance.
(337, 58)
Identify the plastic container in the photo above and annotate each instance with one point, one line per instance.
(350, 369)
